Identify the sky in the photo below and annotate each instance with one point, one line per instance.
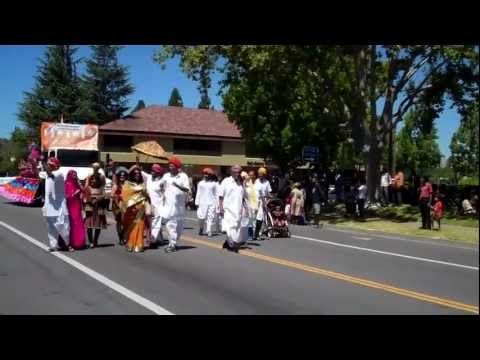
(153, 85)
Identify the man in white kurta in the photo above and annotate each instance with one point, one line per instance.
(206, 201)
(55, 206)
(176, 186)
(156, 194)
(263, 192)
(234, 207)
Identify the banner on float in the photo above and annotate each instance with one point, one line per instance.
(20, 189)
(69, 136)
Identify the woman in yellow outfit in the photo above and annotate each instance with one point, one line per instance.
(134, 208)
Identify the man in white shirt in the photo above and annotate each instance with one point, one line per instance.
(361, 197)
(206, 200)
(385, 182)
(263, 190)
(234, 209)
(55, 207)
(176, 186)
(156, 194)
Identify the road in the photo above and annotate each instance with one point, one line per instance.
(327, 271)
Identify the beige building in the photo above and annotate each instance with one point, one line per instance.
(198, 137)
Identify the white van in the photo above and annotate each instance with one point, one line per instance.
(79, 160)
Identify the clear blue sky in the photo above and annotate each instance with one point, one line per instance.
(18, 66)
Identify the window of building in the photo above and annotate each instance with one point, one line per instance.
(197, 147)
(117, 143)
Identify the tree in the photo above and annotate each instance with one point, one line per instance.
(105, 86)
(140, 105)
(464, 145)
(56, 90)
(15, 148)
(175, 98)
(403, 76)
(283, 97)
(276, 95)
(417, 147)
(205, 102)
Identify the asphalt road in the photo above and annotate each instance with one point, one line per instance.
(327, 271)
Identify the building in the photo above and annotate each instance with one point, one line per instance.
(198, 137)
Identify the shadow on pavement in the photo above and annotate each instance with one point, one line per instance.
(19, 204)
(105, 245)
(179, 248)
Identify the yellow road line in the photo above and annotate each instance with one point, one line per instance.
(347, 278)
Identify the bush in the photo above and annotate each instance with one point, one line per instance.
(402, 213)
(467, 180)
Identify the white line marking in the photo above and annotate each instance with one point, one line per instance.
(381, 252)
(157, 309)
(387, 253)
(361, 238)
(393, 237)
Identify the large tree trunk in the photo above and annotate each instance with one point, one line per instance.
(373, 155)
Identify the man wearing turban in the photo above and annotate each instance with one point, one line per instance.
(176, 186)
(206, 200)
(263, 190)
(155, 192)
(55, 207)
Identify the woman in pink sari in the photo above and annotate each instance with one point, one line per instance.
(73, 192)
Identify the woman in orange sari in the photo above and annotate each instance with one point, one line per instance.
(134, 209)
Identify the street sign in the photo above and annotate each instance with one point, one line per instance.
(310, 153)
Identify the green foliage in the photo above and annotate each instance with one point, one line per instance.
(140, 105)
(175, 98)
(466, 180)
(205, 102)
(105, 87)
(417, 146)
(56, 90)
(15, 148)
(281, 97)
(402, 213)
(464, 145)
(285, 97)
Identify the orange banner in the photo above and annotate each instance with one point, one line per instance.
(69, 136)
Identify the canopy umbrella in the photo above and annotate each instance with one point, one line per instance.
(150, 149)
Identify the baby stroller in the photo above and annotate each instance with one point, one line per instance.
(275, 220)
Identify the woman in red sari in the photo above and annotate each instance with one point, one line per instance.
(73, 193)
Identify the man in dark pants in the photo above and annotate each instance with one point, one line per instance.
(425, 199)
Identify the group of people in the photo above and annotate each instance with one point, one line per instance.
(145, 203)
(73, 212)
(392, 187)
(431, 205)
(141, 203)
(237, 205)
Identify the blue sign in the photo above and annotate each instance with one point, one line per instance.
(311, 153)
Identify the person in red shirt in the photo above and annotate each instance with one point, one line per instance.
(437, 210)
(425, 203)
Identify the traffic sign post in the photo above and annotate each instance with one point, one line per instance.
(310, 153)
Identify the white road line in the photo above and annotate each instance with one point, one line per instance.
(387, 253)
(362, 238)
(157, 309)
(393, 237)
(381, 252)
(389, 237)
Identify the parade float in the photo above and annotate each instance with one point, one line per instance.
(25, 188)
(75, 145)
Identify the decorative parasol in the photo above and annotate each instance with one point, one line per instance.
(150, 149)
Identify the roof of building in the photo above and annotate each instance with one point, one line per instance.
(176, 120)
